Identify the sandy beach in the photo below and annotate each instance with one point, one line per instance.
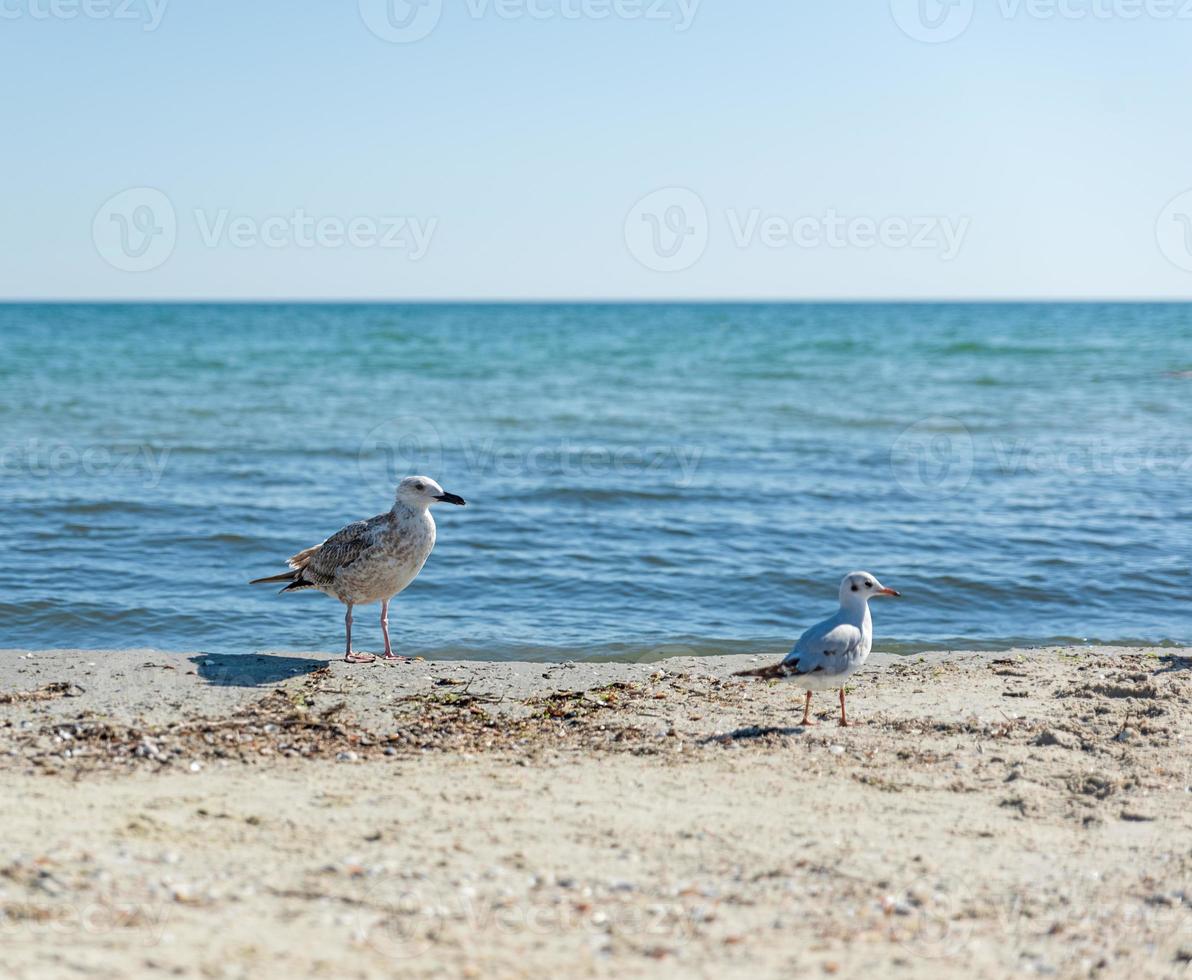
(212, 816)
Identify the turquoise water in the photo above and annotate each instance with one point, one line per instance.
(641, 479)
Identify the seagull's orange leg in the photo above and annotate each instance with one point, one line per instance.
(843, 716)
(807, 711)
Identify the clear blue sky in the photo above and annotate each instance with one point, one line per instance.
(521, 145)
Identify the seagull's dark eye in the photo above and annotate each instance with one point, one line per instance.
(855, 588)
(419, 486)
(869, 585)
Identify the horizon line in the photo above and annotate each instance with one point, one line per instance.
(597, 301)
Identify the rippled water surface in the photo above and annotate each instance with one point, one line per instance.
(641, 479)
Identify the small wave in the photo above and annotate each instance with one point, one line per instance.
(106, 507)
(52, 612)
(663, 650)
(595, 495)
(84, 530)
(1000, 350)
(222, 537)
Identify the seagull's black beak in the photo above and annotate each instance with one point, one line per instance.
(451, 498)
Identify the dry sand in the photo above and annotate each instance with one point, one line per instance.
(291, 816)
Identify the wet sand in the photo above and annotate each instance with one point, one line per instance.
(289, 815)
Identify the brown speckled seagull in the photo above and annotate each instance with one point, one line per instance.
(373, 560)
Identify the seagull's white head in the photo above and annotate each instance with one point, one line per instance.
(419, 492)
(861, 587)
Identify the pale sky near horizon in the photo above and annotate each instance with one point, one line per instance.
(589, 149)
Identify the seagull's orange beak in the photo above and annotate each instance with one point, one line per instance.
(888, 592)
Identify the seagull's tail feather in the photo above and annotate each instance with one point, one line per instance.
(294, 576)
(283, 577)
(295, 581)
(770, 673)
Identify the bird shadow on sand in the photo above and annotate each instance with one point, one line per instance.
(251, 670)
(1173, 663)
(753, 731)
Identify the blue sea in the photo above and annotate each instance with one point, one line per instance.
(642, 480)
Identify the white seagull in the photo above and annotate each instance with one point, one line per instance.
(829, 653)
(373, 560)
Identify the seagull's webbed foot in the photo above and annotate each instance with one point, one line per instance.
(807, 722)
(843, 716)
(359, 658)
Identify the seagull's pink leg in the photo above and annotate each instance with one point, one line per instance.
(385, 628)
(807, 711)
(389, 654)
(843, 717)
(349, 656)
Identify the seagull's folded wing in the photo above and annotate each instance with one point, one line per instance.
(825, 648)
(320, 563)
